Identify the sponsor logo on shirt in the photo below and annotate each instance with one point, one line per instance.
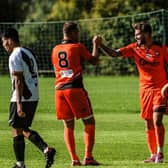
(148, 55)
(66, 73)
(157, 53)
(144, 62)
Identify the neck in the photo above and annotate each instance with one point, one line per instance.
(67, 38)
(148, 43)
(15, 46)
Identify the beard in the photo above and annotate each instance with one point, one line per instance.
(143, 41)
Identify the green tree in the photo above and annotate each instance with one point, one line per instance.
(13, 10)
(70, 9)
(39, 10)
(109, 8)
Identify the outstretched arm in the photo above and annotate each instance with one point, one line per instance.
(111, 52)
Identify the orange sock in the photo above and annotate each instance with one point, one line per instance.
(70, 142)
(151, 141)
(160, 134)
(89, 138)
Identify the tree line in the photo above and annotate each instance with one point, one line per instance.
(55, 10)
(112, 19)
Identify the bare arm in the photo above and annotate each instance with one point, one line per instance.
(111, 52)
(95, 51)
(18, 76)
(164, 90)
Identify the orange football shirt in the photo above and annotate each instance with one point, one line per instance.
(150, 63)
(67, 59)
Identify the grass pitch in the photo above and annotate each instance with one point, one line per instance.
(120, 133)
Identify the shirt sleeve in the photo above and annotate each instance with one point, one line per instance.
(16, 64)
(85, 54)
(127, 51)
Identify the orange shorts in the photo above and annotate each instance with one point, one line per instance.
(151, 101)
(73, 102)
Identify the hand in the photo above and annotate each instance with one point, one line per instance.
(21, 114)
(97, 40)
(164, 89)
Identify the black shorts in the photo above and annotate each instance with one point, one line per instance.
(27, 107)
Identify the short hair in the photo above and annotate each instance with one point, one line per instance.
(11, 33)
(143, 27)
(70, 27)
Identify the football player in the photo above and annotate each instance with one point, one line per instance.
(150, 58)
(71, 98)
(24, 100)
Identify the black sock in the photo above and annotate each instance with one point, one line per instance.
(37, 140)
(19, 147)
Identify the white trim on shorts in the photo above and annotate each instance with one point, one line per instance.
(88, 117)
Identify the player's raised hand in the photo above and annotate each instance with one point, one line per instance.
(164, 89)
(97, 39)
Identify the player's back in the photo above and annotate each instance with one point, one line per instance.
(67, 59)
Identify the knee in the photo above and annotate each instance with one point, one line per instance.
(27, 132)
(157, 119)
(69, 124)
(17, 132)
(90, 121)
(157, 122)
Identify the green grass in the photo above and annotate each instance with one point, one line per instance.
(120, 133)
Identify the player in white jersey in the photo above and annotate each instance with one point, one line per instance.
(22, 60)
(24, 100)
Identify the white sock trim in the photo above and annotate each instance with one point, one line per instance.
(159, 150)
(45, 150)
(20, 163)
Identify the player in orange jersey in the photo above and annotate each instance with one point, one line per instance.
(71, 98)
(150, 58)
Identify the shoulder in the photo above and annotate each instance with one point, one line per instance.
(132, 45)
(129, 46)
(15, 60)
(157, 43)
(57, 48)
(17, 50)
(27, 50)
(16, 53)
(80, 44)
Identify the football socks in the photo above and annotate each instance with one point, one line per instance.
(19, 147)
(151, 141)
(70, 142)
(37, 140)
(160, 134)
(89, 139)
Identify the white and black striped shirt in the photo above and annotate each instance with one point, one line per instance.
(23, 60)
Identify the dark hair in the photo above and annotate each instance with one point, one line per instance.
(143, 27)
(11, 33)
(70, 27)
